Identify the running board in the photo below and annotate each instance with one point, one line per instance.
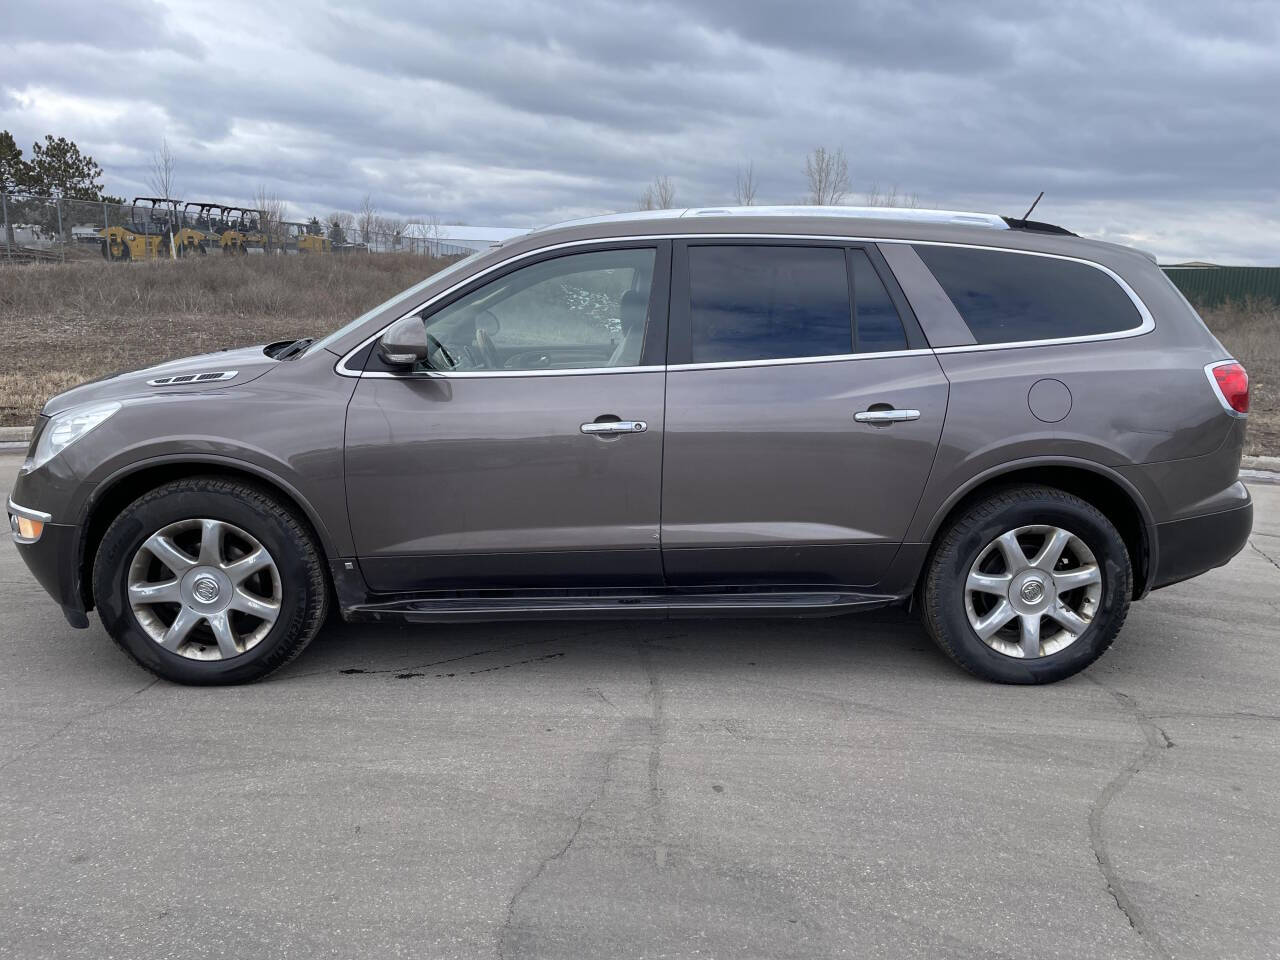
(641, 606)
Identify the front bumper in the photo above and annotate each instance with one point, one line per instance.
(1190, 547)
(54, 560)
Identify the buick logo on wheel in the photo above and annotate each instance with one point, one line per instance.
(205, 589)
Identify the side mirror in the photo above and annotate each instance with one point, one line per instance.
(404, 344)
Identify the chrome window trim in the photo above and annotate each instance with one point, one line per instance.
(1147, 324)
(789, 361)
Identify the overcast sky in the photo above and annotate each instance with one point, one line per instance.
(1150, 123)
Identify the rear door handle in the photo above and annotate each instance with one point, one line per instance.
(615, 426)
(886, 416)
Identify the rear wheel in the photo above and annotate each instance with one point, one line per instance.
(1029, 585)
(209, 581)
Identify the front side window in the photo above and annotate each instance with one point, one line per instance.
(767, 303)
(579, 311)
(1007, 297)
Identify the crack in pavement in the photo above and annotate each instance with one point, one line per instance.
(605, 779)
(27, 751)
(654, 727)
(1265, 556)
(1156, 741)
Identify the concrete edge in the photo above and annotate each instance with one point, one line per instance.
(15, 434)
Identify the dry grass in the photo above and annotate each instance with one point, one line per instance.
(1251, 333)
(64, 324)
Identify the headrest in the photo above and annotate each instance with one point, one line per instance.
(632, 308)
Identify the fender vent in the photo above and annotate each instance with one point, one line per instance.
(184, 378)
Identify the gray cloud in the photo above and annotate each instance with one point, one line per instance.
(1151, 123)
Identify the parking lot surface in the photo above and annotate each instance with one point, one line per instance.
(766, 788)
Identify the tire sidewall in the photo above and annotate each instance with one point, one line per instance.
(153, 512)
(953, 569)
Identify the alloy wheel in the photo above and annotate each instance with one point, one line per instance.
(1033, 591)
(204, 589)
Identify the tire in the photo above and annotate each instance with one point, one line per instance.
(234, 637)
(955, 606)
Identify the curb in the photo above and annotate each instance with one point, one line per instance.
(15, 434)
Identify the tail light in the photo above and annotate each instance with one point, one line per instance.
(1231, 384)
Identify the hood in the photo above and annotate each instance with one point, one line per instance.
(208, 371)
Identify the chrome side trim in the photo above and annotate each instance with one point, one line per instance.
(1213, 383)
(183, 379)
(1148, 321)
(31, 514)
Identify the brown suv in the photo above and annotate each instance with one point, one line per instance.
(741, 412)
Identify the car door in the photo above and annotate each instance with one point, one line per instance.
(529, 455)
(803, 412)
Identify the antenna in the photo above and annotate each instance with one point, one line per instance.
(1033, 205)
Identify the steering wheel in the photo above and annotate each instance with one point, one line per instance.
(488, 352)
(433, 342)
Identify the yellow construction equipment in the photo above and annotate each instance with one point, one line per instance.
(305, 238)
(241, 230)
(151, 233)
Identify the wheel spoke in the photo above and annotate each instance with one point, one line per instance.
(1066, 580)
(166, 592)
(226, 636)
(1069, 619)
(168, 553)
(1015, 558)
(993, 621)
(211, 542)
(178, 630)
(242, 569)
(997, 583)
(262, 609)
(1050, 553)
(1030, 631)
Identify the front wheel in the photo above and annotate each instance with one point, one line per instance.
(1029, 585)
(209, 581)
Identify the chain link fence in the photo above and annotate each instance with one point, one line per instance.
(36, 229)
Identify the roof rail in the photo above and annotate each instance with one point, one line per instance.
(910, 214)
(1037, 225)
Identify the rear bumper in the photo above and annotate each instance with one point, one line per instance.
(1190, 547)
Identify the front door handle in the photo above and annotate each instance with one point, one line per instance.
(886, 416)
(614, 426)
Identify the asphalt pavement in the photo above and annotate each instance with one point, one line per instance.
(730, 789)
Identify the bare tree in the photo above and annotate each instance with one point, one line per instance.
(366, 219)
(271, 210)
(891, 198)
(744, 187)
(828, 175)
(426, 230)
(659, 195)
(162, 178)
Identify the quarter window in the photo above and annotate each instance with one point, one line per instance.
(577, 311)
(767, 302)
(1012, 297)
(878, 324)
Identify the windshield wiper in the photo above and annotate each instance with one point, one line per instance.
(295, 348)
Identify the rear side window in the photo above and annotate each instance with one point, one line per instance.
(1011, 297)
(876, 319)
(767, 303)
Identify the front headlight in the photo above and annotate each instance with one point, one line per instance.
(64, 429)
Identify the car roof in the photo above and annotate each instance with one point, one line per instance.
(871, 223)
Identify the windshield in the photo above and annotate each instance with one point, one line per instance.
(404, 295)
